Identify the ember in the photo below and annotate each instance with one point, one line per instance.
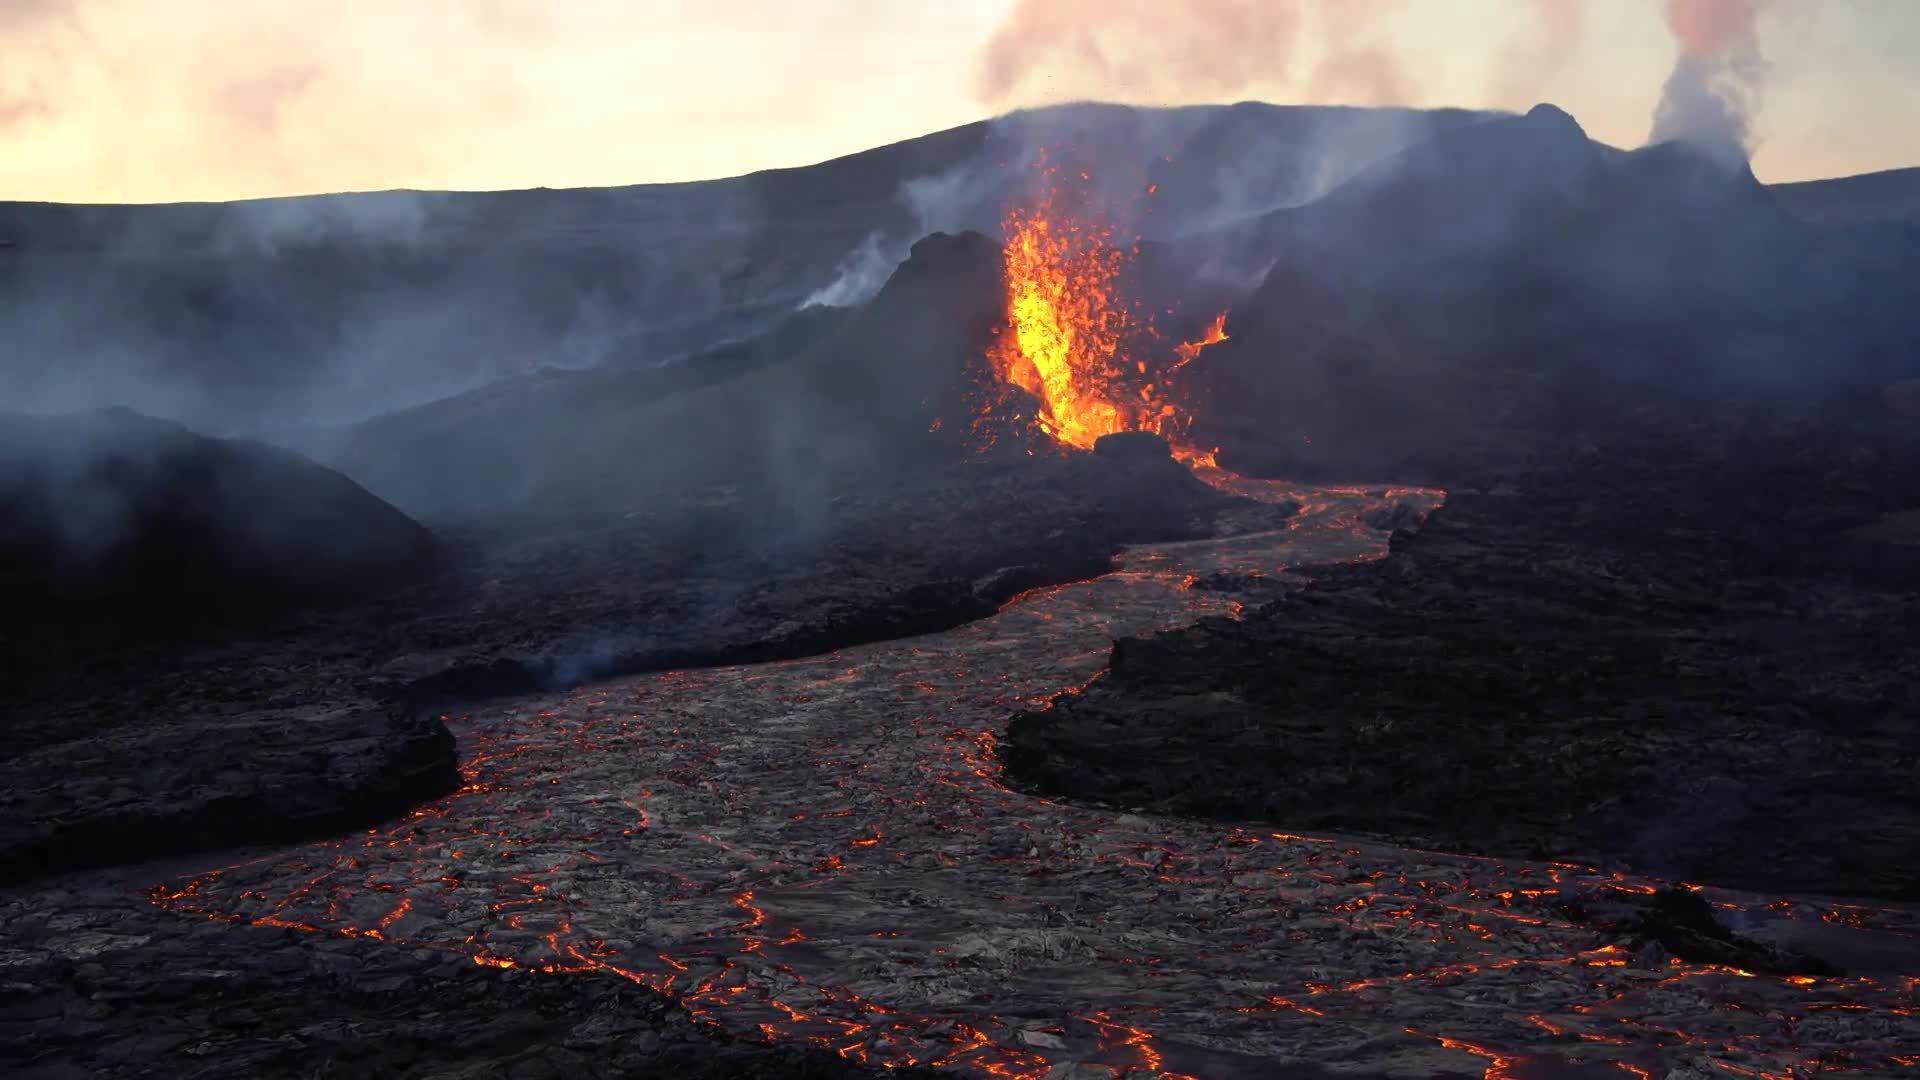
(1069, 334)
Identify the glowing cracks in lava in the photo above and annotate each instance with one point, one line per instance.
(1498, 1067)
(515, 875)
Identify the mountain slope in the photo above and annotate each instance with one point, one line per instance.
(1510, 284)
(827, 397)
(250, 316)
(114, 516)
(1889, 196)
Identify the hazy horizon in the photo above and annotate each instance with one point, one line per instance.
(115, 101)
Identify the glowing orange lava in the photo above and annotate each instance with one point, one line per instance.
(1216, 333)
(1068, 334)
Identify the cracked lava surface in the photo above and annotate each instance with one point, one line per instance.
(822, 851)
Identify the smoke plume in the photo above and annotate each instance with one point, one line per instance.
(1710, 98)
(859, 275)
(1209, 50)
(1144, 49)
(1538, 49)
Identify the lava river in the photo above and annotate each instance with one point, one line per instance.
(822, 850)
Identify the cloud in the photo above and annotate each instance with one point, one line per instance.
(257, 101)
(1214, 50)
(17, 110)
(1137, 49)
(1542, 42)
(25, 28)
(221, 99)
(18, 14)
(241, 99)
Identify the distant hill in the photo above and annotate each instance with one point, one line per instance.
(112, 516)
(879, 391)
(1391, 273)
(1504, 273)
(1509, 284)
(1890, 196)
(251, 317)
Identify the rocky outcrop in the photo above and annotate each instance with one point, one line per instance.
(100, 985)
(1132, 446)
(115, 515)
(1672, 651)
(145, 744)
(205, 774)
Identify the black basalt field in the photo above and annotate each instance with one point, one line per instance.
(663, 631)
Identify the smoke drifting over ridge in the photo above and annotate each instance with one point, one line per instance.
(1211, 50)
(1333, 51)
(1711, 96)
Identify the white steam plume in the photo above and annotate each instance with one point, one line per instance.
(1714, 90)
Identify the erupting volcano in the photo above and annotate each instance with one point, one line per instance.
(1073, 344)
(798, 624)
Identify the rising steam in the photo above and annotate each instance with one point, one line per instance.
(1710, 98)
(859, 276)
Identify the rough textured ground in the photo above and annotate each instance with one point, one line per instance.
(1687, 651)
(820, 853)
(93, 986)
(133, 745)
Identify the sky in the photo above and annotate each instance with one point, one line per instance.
(169, 100)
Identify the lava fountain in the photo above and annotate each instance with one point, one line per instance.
(1069, 335)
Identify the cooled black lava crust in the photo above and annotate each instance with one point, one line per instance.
(1688, 647)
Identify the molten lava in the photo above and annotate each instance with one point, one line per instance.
(782, 848)
(1216, 333)
(1068, 334)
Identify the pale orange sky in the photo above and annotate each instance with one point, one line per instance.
(159, 100)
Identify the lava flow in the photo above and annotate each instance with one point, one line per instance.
(1069, 334)
(822, 852)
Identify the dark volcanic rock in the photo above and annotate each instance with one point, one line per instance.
(1510, 284)
(114, 515)
(281, 311)
(1670, 650)
(907, 559)
(1685, 925)
(99, 988)
(863, 397)
(117, 530)
(133, 743)
(1133, 445)
(1903, 398)
(1889, 196)
(199, 773)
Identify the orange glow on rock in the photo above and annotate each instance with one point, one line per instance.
(1069, 332)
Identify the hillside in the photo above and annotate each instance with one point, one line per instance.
(114, 517)
(1889, 196)
(251, 316)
